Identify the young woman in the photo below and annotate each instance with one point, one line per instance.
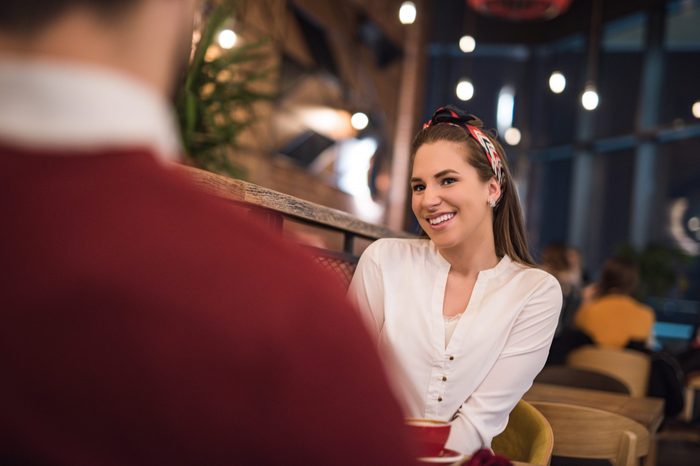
(467, 317)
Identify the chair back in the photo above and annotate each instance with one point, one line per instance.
(583, 432)
(632, 367)
(527, 438)
(340, 266)
(581, 378)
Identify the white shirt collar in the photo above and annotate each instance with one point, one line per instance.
(50, 105)
(502, 265)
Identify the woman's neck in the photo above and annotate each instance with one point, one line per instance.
(473, 256)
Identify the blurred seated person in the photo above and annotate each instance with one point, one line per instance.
(145, 322)
(613, 318)
(689, 358)
(565, 264)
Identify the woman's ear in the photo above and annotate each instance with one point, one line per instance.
(494, 189)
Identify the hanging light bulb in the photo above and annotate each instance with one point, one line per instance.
(465, 90)
(407, 13)
(696, 109)
(467, 44)
(557, 82)
(512, 136)
(227, 39)
(359, 121)
(694, 224)
(589, 98)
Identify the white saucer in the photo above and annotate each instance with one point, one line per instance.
(446, 456)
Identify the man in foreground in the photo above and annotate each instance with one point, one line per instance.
(145, 323)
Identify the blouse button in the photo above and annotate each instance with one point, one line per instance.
(452, 358)
(440, 398)
(444, 379)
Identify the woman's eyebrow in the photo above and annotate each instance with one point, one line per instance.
(449, 171)
(439, 174)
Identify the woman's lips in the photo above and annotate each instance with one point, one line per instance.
(441, 221)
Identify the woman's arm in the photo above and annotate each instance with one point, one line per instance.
(485, 413)
(366, 290)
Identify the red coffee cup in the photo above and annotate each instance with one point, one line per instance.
(429, 435)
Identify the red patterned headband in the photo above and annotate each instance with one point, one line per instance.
(454, 116)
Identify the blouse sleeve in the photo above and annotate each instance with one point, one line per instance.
(485, 413)
(366, 290)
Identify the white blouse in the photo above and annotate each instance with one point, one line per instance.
(499, 344)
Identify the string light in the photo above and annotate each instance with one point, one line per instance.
(512, 136)
(467, 44)
(465, 90)
(589, 98)
(407, 13)
(359, 121)
(696, 109)
(227, 39)
(557, 82)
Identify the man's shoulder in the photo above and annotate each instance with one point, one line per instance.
(136, 222)
(231, 237)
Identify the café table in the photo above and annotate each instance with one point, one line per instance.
(647, 411)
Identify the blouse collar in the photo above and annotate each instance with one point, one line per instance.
(502, 265)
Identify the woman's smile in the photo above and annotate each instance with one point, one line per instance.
(440, 221)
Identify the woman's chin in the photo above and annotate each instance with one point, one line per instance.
(442, 241)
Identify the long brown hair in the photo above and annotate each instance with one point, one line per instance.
(508, 229)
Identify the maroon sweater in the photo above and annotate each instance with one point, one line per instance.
(146, 323)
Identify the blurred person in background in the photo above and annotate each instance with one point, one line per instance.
(466, 314)
(565, 264)
(144, 322)
(613, 318)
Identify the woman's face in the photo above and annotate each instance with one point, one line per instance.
(448, 198)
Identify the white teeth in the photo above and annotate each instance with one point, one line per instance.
(440, 219)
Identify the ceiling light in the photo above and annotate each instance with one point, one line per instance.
(696, 109)
(465, 90)
(557, 82)
(227, 39)
(694, 224)
(467, 44)
(407, 13)
(512, 136)
(359, 121)
(589, 98)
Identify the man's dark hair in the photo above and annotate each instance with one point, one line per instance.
(29, 16)
(620, 276)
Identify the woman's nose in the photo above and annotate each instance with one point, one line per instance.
(430, 198)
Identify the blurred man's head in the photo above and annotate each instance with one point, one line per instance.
(620, 276)
(29, 16)
(148, 39)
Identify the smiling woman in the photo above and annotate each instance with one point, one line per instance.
(468, 318)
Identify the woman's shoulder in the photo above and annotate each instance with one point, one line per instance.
(535, 276)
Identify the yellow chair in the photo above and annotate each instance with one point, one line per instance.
(632, 367)
(692, 384)
(527, 438)
(582, 432)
